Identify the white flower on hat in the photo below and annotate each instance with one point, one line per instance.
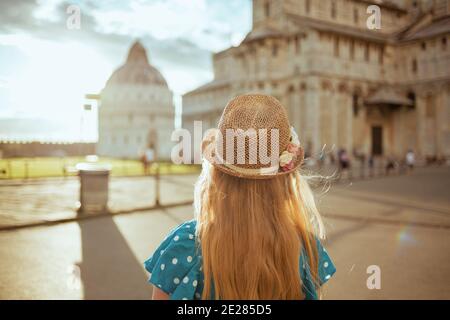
(286, 158)
(294, 137)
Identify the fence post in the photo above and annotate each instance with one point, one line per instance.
(10, 175)
(64, 169)
(361, 172)
(157, 186)
(26, 169)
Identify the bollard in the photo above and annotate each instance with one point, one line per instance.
(94, 182)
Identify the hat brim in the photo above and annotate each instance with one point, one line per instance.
(244, 173)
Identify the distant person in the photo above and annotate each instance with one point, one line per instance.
(371, 164)
(307, 154)
(361, 157)
(322, 159)
(390, 165)
(147, 158)
(362, 163)
(344, 162)
(144, 163)
(332, 159)
(410, 160)
(255, 235)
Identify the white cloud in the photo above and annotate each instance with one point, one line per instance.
(57, 66)
(47, 10)
(3, 82)
(210, 25)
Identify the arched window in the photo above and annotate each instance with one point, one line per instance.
(297, 44)
(352, 49)
(414, 65)
(430, 110)
(381, 55)
(367, 52)
(355, 16)
(267, 9)
(355, 104)
(336, 46)
(333, 10)
(412, 97)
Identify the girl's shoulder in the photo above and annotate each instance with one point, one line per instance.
(175, 266)
(326, 269)
(184, 232)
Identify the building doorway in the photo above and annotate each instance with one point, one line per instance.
(377, 140)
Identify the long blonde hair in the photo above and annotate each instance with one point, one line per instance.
(252, 232)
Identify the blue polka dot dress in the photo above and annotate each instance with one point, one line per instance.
(176, 266)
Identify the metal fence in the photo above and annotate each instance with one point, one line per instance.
(28, 168)
(358, 170)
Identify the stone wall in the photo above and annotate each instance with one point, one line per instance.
(323, 77)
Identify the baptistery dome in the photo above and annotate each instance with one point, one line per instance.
(136, 112)
(137, 69)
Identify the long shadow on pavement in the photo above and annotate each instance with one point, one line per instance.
(109, 269)
(336, 235)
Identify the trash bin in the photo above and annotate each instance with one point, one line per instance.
(94, 181)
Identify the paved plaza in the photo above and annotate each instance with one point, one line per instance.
(37, 201)
(399, 223)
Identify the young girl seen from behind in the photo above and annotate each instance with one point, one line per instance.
(256, 231)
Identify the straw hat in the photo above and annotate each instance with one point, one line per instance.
(254, 139)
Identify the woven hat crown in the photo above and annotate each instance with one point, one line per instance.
(260, 113)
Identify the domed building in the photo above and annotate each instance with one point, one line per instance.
(136, 111)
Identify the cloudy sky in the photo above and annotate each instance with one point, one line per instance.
(46, 67)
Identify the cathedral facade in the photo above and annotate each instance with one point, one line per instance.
(136, 111)
(370, 91)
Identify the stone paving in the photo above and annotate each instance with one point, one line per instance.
(399, 223)
(31, 201)
(53, 199)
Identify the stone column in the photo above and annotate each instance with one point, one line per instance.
(334, 118)
(342, 105)
(349, 121)
(400, 130)
(296, 110)
(441, 120)
(312, 115)
(302, 114)
(421, 125)
(445, 118)
(326, 114)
